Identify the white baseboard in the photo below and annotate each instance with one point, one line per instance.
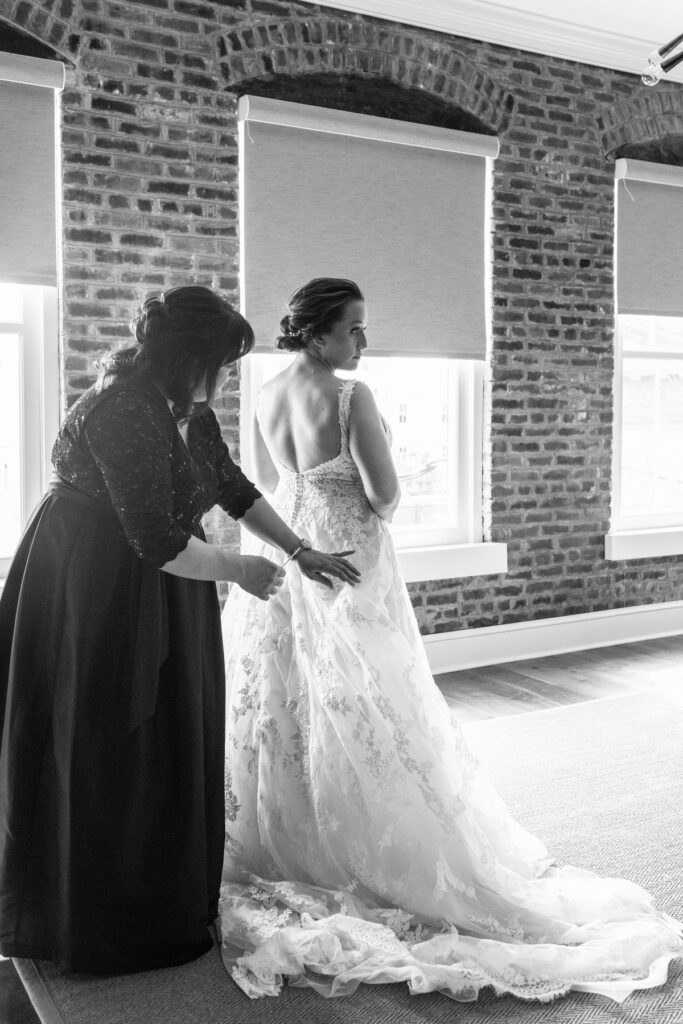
(517, 641)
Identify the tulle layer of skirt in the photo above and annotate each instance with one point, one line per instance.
(365, 842)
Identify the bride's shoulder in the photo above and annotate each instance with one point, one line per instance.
(364, 416)
(362, 397)
(276, 382)
(273, 389)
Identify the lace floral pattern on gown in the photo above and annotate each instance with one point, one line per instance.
(364, 841)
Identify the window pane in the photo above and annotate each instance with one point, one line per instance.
(417, 398)
(652, 334)
(11, 310)
(652, 437)
(10, 441)
(414, 396)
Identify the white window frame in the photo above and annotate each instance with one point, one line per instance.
(643, 536)
(631, 537)
(39, 399)
(466, 398)
(619, 519)
(39, 332)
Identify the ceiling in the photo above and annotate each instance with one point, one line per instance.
(610, 33)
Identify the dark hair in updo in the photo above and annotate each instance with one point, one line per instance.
(314, 309)
(184, 337)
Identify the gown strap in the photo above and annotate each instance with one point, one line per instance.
(345, 393)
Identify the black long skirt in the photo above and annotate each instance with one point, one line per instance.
(112, 746)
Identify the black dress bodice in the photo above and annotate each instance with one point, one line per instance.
(121, 446)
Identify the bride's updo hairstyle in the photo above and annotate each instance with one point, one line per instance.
(313, 310)
(184, 337)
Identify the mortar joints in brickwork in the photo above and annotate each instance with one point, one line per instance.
(300, 46)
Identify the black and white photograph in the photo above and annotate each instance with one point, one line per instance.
(341, 512)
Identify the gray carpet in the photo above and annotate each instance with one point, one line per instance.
(601, 782)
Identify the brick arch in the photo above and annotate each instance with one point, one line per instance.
(50, 23)
(324, 44)
(650, 116)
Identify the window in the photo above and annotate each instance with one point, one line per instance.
(647, 498)
(649, 480)
(29, 378)
(29, 405)
(389, 204)
(11, 324)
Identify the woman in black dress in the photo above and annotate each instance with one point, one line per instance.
(111, 666)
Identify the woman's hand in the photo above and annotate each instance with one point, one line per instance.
(259, 576)
(263, 521)
(319, 566)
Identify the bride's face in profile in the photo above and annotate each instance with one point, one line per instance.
(344, 343)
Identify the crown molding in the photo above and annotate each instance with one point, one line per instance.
(494, 23)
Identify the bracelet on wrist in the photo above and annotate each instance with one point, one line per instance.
(303, 545)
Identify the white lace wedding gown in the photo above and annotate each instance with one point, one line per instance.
(364, 843)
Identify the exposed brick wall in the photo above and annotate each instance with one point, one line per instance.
(646, 116)
(150, 200)
(345, 45)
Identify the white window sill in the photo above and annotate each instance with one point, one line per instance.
(452, 562)
(625, 544)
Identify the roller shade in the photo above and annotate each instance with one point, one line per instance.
(649, 238)
(28, 194)
(398, 207)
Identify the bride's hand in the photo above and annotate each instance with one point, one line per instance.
(259, 576)
(319, 566)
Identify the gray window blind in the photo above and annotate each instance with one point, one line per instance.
(649, 233)
(398, 207)
(28, 187)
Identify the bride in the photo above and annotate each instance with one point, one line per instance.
(364, 842)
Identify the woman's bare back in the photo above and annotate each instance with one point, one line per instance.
(298, 415)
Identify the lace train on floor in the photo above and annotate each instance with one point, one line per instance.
(331, 942)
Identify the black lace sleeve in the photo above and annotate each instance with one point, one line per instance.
(130, 441)
(236, 493)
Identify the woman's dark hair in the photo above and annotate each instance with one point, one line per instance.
(184, 337)
(314, 309)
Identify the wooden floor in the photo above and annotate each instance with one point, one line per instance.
(513, 688)
(481, 693)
